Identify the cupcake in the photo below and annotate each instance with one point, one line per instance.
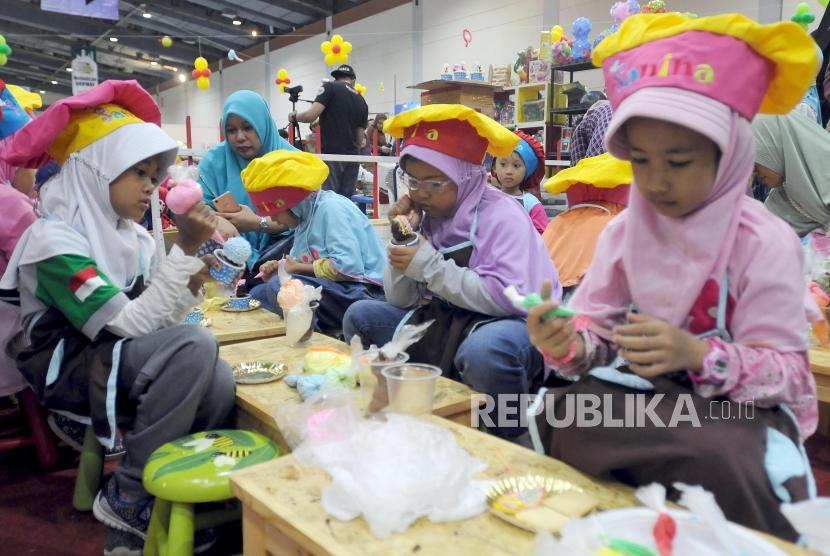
(402, 232)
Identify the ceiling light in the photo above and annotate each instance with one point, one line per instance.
(146, 15)
(53, 82)
(236, 22)
(113, 39)
(182, 77)
(254, 33)
(171, 68)
(153, 63)
(69, 70)
(42, 92)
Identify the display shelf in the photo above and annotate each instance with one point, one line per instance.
(529, 125)
(574, 67)
(571, 111)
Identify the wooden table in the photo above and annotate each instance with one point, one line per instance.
(230, 328)
(282, 513)
(256, 402)
(820, 365)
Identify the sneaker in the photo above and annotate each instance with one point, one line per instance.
(111, 510)
(127, 523)
(71, 433)
(121, 543)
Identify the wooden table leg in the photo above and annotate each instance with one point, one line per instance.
(253, 533)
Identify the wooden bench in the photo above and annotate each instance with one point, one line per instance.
(256, 402)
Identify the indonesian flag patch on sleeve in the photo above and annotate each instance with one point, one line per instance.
(84, 283)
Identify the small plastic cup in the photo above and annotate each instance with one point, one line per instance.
(411, 387)
(372, 382)
(299, 323)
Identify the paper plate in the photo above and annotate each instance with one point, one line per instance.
(258, 372)
(253, 305)
(534, 502)
(694, 538)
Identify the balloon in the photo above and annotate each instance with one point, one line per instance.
(282, 80)
(581, 46)
(381, 88)
(336, 50)
(200, 63)
(556, 33)
(203, 83)
(823, 3)
(467, 36)
(232, 55)
(196, 74)
(360, 88)
(166, 41)
(3, 59)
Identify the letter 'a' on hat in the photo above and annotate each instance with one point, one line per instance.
(344, 69)
(281, 179)
(454, 130)
(728, 58)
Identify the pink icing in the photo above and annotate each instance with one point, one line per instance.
(291, 293)
(184, 195)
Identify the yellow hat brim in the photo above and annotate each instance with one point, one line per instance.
(785, 44)
(283, 168)
(603, 171)
(501, 141)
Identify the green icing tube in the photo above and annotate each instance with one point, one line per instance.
(628, 548)
(534, 299)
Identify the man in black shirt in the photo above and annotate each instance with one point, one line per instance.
(343, 115)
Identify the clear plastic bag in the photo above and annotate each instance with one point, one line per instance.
(811, 518)
(395, 471)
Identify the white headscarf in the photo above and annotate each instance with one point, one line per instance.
(799, 150)
(78, 217)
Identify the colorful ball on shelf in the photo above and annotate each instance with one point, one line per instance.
(655, 7)
(562, 52)
(556, 34)
(166, 41)
(581, 45)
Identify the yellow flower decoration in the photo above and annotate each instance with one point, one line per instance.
(360, 89)
(336, 50)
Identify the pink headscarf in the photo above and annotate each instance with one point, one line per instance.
(660, 264)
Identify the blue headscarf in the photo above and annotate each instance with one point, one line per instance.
(332, 227)
(528, 156)
(220, 168)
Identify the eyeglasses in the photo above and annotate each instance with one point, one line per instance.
(431, 185)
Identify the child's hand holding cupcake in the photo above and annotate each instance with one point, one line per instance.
(196, 226)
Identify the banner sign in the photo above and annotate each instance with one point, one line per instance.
(84, 69)
(105, 9)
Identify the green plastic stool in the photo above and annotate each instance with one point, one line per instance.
(191, 470)
(90, 469)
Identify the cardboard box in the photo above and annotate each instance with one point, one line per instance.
(499, 75)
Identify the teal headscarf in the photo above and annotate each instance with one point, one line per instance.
(331, 227)
(220, 168)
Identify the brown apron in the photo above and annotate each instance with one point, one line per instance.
(451, 327)
(750, 457)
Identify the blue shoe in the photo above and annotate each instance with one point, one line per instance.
(115, 512)
(71, 433)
